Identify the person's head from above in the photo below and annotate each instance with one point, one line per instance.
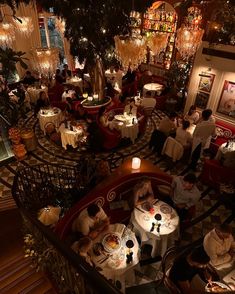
(101, 111)
(206, 114)
(223, 231)
(173, 116)
(143, 184)
(43, 95)
(185, 124)
(84, 245)
(57, 71)
(189, 181)
(93, 210)
(198, 258)
(28, 73)
(192, 109)
(65, 66)
(116, 68)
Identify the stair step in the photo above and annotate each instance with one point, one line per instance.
(26, 282)
(9, 263)
(38, 287)
(15, 274)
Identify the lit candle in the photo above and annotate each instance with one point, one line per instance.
(136, 161)
(96, 96)
(90, 98)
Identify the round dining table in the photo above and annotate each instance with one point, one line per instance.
(70, 135)
(225, 149)
(50, 115)
(34, 93)
(153, 88)
(127, 125)
(160, 234)
(113, 264)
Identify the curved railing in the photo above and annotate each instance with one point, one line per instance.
(33, 188)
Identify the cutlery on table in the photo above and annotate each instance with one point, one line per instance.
(139, 209)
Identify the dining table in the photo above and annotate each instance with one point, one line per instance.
(127, 125)
(70, 135)
(75, 81)
(153, 88)
(34, 93)
(230, 278)
(49, 115)
(225, 149)
(156, 224)
(116, 263)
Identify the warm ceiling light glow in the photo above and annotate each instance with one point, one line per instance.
(25, 27)
(7, 34)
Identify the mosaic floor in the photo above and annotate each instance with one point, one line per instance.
(49, 152)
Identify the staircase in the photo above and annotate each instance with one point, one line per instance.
(17, 276)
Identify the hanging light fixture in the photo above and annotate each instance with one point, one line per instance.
(130, 51)
(7, 34)
(157, 42)
(24, 25)
(189, 35)
(46, 60)
(60, 25)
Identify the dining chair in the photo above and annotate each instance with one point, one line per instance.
(148, 105)
(173, 149)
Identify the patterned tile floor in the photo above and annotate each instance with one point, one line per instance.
(48, 152)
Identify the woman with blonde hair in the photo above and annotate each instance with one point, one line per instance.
(143, 192)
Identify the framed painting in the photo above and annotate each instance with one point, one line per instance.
(202, 100)
(227, 99)
(206, 82)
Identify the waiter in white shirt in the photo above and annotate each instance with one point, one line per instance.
(204, 130)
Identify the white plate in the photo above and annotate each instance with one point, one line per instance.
(108, 247)
(222, 285)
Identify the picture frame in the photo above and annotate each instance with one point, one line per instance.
(206, 82)
(202, 99)
(226, 103)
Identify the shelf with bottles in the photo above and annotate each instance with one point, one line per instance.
(160, 15)
(159, 26)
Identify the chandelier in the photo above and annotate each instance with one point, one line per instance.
(46, 60)
(7, 34)
(131, 51)
(157, 42)
(25, 27)
(189, 35)
(60, 25)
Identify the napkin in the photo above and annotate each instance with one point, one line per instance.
(119, 229)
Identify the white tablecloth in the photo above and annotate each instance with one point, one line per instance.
(152, 88)
(69, 137)
(124, 123)
(230, 278)
(52, 115)
(169, 231)
(77, 82)
(115, 266)
(223, 150)
(34, 93)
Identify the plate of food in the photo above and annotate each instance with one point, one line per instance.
(217, 287)
(166, 209)
(111, 242)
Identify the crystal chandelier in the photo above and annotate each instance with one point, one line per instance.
(157, 42)
(130, 51)
(25, 27)
(7, 34)
(189, 35)
(46, 60)
(60, 25)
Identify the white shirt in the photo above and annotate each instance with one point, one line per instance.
(193, 118)
(129, 109)
(217, 249)
(182, 196)
(84, 223)
(166, 126)
(183, 136)
(203, 131)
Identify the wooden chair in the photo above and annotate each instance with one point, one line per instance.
(50, 128)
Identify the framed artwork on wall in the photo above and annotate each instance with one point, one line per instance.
(227, 99)
(202, 99)
(206, 82)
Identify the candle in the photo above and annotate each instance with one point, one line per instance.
(136, 161)
(96, 96)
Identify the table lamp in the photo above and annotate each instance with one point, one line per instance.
(136, 162)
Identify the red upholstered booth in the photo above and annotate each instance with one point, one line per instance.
(213, 174)
(117, 187)
(224, 132)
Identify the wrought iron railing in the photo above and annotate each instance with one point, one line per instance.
(33, 188)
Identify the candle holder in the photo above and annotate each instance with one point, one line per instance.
(129, 255)
(136, 162)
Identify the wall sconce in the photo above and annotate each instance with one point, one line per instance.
(136, 162)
